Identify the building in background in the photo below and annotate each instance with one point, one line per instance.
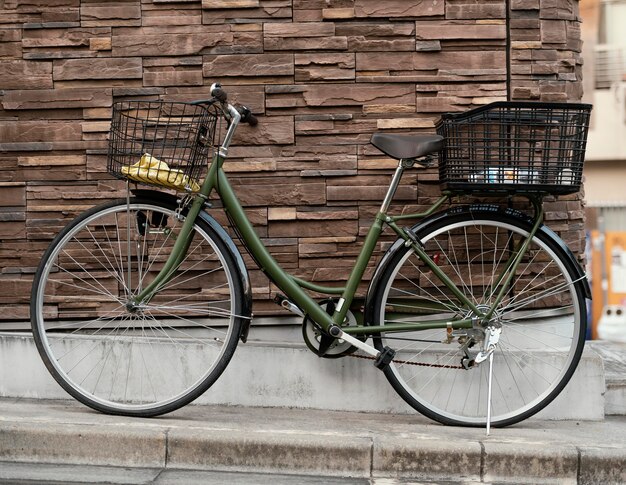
(605, 184)
(322, 75)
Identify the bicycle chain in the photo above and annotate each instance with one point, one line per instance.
(422, 364)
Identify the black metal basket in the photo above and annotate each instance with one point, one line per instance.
(515, 147)
(159, 143)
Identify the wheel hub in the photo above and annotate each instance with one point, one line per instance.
(134, 308)
(483, 332)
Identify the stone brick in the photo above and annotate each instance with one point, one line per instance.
(13, 313)
(250, 166)
(277, 130)
(398, 8)
(302, 36)
(273, 10)
(427, 45)
(12, 230)
(56, 98)
(324, 67)
(475, 9)
(100, 68)
(75, 37)
(13, 194)
(559, 9)
(451, 61)
(110, 14)
(458, 30)
(298, 30)
(283, 194)
(173, 77)
(100, 44)
(222, 4)
(35, 131)
(525, 4)
(69, 17)
(376, 36)
(170, 44)
(373, 29)
(553, 32)
(357, 95)
(397, 123)
(314, 229)
(248, 65)
(281, 214)
(176, 14)
(338, 13)
(369, 193)
(11, 35)
(525, 35)
(18, 74)
(10, 49)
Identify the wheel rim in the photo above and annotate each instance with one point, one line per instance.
(118, 356)
(539, 342)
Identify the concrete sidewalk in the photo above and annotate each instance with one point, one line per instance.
(314, 443)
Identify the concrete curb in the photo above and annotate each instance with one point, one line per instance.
(81, 444)
(335, 385)
(299, 453)
(315, 443)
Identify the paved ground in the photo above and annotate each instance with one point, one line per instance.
(45, 474)
(355, 448)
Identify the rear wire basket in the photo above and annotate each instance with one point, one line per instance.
(159, 143)
(515, 147)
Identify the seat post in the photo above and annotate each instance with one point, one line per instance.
(393, 186)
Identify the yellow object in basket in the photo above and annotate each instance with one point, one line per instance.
(153, 171)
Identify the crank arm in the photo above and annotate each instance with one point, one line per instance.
(340, 334)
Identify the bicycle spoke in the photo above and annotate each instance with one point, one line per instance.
(539, 320)
(118, 355)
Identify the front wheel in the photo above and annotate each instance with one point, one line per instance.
(542, 318)
(112, 354)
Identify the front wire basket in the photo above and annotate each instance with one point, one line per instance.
(159, 143)
(515, 147)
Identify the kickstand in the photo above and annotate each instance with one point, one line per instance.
(489, 393)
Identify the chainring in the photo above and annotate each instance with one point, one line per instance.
(313, 334)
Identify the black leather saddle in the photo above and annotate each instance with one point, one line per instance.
(404, 147)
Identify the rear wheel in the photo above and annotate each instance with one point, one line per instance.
(122, 358)
(542, 319)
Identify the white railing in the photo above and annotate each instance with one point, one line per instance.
(610, 65)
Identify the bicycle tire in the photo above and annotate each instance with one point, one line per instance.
(120, 359)
(543, 318)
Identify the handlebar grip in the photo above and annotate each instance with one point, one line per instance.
(247, 116)
(252, 120)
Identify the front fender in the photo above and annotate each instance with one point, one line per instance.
(242, 271)
(522, 219)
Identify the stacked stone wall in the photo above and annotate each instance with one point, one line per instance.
(322, 75)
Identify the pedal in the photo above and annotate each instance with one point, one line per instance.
(278, 299)
(384, 358)
(284, 302)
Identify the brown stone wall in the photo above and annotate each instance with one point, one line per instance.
(322, 75)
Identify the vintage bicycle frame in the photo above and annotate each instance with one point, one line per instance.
(294, 288)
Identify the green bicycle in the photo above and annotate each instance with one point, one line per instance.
(476, 314)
